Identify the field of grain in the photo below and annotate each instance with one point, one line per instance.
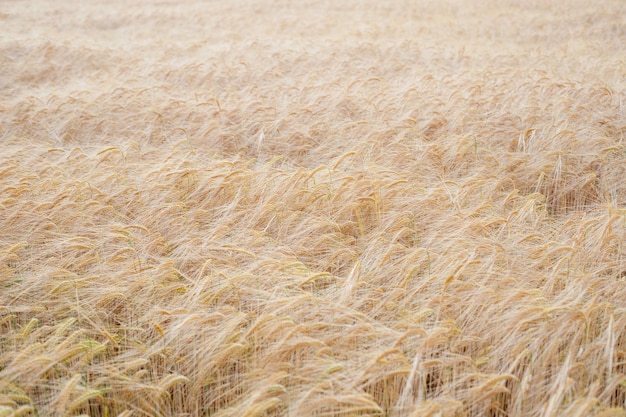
(313, 208)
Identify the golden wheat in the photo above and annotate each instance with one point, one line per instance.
(268, 208)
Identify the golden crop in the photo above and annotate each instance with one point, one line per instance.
(313, 208)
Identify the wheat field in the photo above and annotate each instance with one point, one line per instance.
(313, 208)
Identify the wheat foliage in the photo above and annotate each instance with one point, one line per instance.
(280, 208)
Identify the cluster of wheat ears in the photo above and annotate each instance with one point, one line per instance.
(310, 208)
